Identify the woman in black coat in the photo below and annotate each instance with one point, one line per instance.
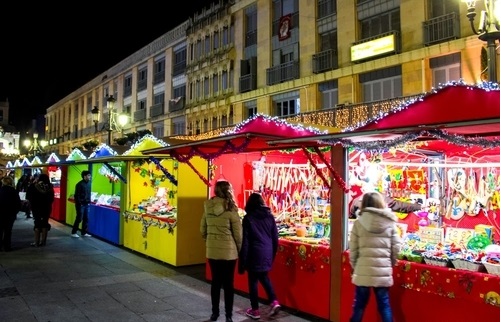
(259, 247)
(41, 196)
(11, 204)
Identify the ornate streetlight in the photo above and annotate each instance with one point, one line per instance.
(116, 121)
(488, 31)
(35, 147)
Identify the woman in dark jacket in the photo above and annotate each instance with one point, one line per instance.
(11, 204)
(259, 247)
(41, 196)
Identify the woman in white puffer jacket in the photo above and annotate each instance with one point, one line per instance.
(374, 245)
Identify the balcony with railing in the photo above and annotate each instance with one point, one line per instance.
(282, 73)
(440, 29)
(159, 77)
(176, 104)
(157, 110)
(250, 38)
(140, 115)
(248, 83)
(325, 61)
(127, 91)
(179, 68)
(142, 84)
(343, 116)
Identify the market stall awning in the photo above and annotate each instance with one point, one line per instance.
(249, 136)
(454, 114)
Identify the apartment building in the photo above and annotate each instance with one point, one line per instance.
(326, 62)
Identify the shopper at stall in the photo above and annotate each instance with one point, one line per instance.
(82, 202)
(41, 196)
(22, 186)
(374, 245)
(392, 203)
(11, 204)
(222, 231)
(259, 247)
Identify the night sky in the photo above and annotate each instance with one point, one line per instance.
(47, 51)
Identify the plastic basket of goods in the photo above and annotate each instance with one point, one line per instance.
(491, 259)
(436, 259)
(469, 265)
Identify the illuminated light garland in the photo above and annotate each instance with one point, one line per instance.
(147, 137)
(341, 183)
(241, 127)
(76, 154)
(143, 172)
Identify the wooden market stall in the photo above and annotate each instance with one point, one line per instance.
(423, 149)
(162, 200)
(73, 176)
(294, 184)
(56, 171)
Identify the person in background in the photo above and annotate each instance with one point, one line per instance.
(222, 231)
(41, 196)
(374, 245)
(259, 248)
(11, 205)
(82, 202)
(392, 203)
(22, 187)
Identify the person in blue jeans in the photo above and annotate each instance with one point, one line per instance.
(374, 245)
(259, 248)
(82, 202)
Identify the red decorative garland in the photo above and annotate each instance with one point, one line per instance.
(341, 183)
(317, 170)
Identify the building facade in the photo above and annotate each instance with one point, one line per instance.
(324, 62)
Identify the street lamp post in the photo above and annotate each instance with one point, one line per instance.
(488, 31)
(116, 121)
(35, 146)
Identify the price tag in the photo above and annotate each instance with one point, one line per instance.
(431, 235)
(458, 236)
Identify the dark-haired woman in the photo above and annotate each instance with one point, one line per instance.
(259, 247)
(11, 204)
(41, 196)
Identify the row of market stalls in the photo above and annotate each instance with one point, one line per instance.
(149, 198)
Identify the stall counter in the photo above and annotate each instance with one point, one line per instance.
(424, 292)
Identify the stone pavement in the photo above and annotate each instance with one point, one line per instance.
(87, 279)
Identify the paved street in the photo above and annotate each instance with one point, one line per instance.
(86, 279)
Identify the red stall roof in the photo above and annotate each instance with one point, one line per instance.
(456, 109)
(249, 136)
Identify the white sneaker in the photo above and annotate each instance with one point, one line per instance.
(87, 235)
(75, 236)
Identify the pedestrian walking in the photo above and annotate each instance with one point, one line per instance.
(40, 194)
(82, 202)
(11, 205)
(221, 229)
(374, 245)
(259, 248)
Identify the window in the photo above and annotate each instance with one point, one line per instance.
(286, 104)
(206, 87)
(179, 62)
(379, 24)
(159, 76)
(226, 36)
(326, 8)
(216, 40)
(141, 104)
(206, 125)
(128, 85)
(442, 7)
(224, 121)
(207, 45)
(215, 83)
(224, 80)
(158, 129)
(179, 91)
(329, 93)
(251, 107)
(178, 125)
(445, 69)
(251, 27)
(214, 123)
(158, 98)
(382, 84)
(328, 41)
(142, 78)
(127, 109)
